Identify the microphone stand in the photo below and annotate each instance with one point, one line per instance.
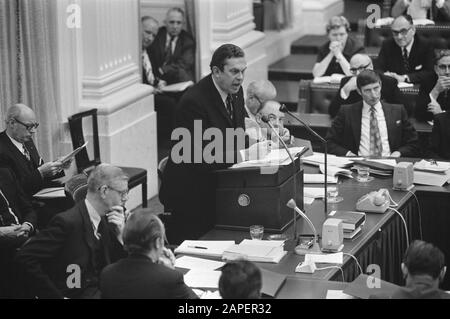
(265, 119)
(284, 109)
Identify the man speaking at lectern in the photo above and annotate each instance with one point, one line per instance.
(215, 105)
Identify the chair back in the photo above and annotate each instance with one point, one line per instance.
(76, 132)
(76, 187)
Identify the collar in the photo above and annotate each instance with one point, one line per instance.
(366, 107)
(168, 38)
(408, 47)
(222, 93)
(423, 281)
(16, 143)
(93, 215)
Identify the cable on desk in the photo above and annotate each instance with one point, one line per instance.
(357, 262)
(404, 223)
(420, 214)
(394, 204)
(329, 267)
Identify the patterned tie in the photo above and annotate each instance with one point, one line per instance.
(148, 68)
(375, 138)
(168, 51)
(229, 103)
(405, 60)
(26, 153)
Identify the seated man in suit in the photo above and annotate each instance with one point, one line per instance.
(334, 55)
(172, 53)
(66, 258)
(17, 224)
(149, 270)
(371, 127)
(257, 93)
(348, 93)
(436, 10)
(240, 279)
(440, 136)
(434, 93)
(424, 269)
(258, 130)
(406, 56)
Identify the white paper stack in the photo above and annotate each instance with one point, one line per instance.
(211, 248)
(333, 160)
(269, 251)
(427, 173)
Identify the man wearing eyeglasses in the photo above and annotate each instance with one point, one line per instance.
(66, 258)
(348, 93)
(434, 94)
(406, 56)
(19, 154)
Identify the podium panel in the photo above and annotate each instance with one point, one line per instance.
(246, 197)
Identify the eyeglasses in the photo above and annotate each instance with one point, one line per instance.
(403, 32)
(29, 127)
(122, 194)
(360, 68)
(257, 99)
(444, 67)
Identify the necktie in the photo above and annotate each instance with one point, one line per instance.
(168, 52)
(375, 138)
(229, 103)
(25, 152)
(148, 68)
(405, 60)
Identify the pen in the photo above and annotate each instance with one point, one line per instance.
(198, 247)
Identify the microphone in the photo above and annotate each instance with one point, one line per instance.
(266, 120)
(299, 250)
(284, 109)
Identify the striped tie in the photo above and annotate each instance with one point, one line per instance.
(26, 153)
(405, 60)
(375, 138)
(229, 103)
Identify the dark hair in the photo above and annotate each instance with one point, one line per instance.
(440, 53)
(224, 52)
(141, 231)
(240, 280)
(407, 17)
(367, 77)
(336, 22)
(422, 258)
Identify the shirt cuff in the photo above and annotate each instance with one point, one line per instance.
(31, 225)
(343, 95)
(432, 99)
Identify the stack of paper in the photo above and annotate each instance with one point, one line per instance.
(177, 87)
(434, 174)
(276, 157)
(319, 158)
(337, 258)
(318, 179)
(211, 248)
(335, 171)
(270, 251)
(188, 262)
(202, 278)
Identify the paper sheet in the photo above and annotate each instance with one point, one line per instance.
(308, 200)
(390, 162)
(337, 294)
(177, 87)
(318, 179)
(336, 258)
(314, 192)
(189, 262)
(73, 153)
(202, 278)
(51, 192)
(213, 248)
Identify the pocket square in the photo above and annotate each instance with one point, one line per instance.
(418, 67)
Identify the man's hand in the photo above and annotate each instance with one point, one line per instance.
(399, 78)
(349, 153)
(50, 169)
(396, 154)
(10, 231)
(285, 135)
(349, 86)
(442, 84)
(25, 230)
(160, 86)
(258, 150)
(117, 217)
(167, 258)
(434, 108)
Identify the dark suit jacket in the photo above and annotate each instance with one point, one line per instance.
(440, 136)
(421, 59)
(18, 201)
(68, 240)
(180, 67)
(352, 46)
(424, 98)
(389, 93)
(188, 190)
(345, 132)
(138, 277)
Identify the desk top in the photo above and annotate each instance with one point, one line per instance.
(317, 120)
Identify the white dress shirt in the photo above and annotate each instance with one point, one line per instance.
(17, 144)
(364, 145)
(174, 42)
(94, 217)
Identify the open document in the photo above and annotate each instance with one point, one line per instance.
(211, 248)
(277, 156)
(72, 154)
(51, 192)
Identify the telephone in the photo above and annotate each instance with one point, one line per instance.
(374, 202)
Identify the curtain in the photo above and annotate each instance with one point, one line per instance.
(277, 14)
(28, 63)
(189, 6)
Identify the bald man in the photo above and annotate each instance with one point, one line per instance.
(19, 154)
(258, 92)
(348, 93)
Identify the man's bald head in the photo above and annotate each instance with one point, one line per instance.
(360, 62)
(17, 111)
(20, 122)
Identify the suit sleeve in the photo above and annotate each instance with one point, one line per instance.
(436, 139)
(338, 100)
(423, 99)
(410, 142)
(42, 248)
(181, 68)
(427, 65)
(335, 135)
(29, 214)
(381, 60)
